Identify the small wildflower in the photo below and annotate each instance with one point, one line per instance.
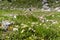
(47, 20)
(7, 36)
(33, 23)
(52, 15)
(30, 37)
(40, 24)
(22, 31)
(30, 28)
(17, 26)
(41, 17)
(24, 26)
(15, 29)
(14, 16)
(47, 27)
(42, 39)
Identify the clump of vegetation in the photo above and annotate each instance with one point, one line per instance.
(31, 27)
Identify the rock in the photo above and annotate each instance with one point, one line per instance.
(0, 0)
(49, 9)
(57, 9)
(6, 24)
(45, 6)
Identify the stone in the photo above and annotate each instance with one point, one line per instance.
(57, 9)
(6, 24)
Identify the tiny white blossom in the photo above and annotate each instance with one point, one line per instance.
(33, 23)
(40, 24)
(30, 28)
(22, 31)
(42, 39)
(47, 27)
(15, 29)
(7, 37)
(41, 17)
(52, 15)
(24, 25)
(16, 26)
(47, 20)
(14, 16)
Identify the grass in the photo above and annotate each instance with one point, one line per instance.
(27, 4)
(32, 25)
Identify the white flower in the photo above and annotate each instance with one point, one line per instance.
(22, 31)
(47, 27)
(14, 16)
(17, 26)
(33, 23)
(7, 37)
(24, 25)
(47, 20)
(52, 15)
(41, 17)
(40, 24)
(15, 29)
(30, 28)
(42, 39)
